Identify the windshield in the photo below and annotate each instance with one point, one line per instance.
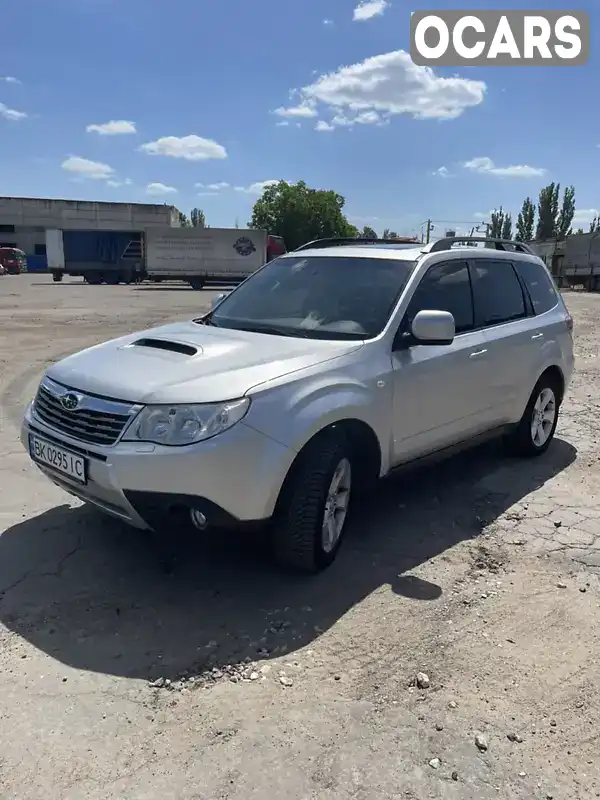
(316, 297)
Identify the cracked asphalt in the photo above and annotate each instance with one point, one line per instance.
(227, 679)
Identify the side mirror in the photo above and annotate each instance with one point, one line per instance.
(217, 299)
(433, 328)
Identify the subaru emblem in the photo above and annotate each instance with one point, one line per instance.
(69, 401)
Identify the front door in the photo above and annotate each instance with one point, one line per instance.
(439, 390)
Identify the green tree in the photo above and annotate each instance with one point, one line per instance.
(594, 225)
(183, 220)
(507, 227)
(579, 231)
(525, 221)
(300, 214)
(197, 218)
(547, 212)
(500, 225)
(566, 213)
(388, 234)
(368, 233)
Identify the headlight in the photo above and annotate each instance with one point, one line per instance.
(179, 425)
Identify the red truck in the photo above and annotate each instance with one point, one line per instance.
(13, 260)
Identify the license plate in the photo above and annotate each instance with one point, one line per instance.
(58, 459)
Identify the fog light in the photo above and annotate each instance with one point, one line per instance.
(198, 519)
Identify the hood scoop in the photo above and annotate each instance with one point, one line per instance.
(168, 345)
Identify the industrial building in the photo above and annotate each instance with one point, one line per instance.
(24, 221)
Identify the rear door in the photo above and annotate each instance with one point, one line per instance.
(504, 314)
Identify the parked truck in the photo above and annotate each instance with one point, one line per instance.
(198, 256)
(579, 262)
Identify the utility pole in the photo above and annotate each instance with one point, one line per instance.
(429, 229)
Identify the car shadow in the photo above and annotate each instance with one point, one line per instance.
(91, 592)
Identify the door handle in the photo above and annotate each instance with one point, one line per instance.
(538, 336)
(478, 353)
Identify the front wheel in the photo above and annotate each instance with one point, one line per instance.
(312, 512)
(57, 277)
(534, 433)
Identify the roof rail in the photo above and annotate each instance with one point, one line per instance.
(499, 244)
(339, 241)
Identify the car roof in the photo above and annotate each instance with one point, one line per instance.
(408, 252)
(401, 252)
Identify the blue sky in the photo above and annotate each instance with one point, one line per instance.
(201, 82)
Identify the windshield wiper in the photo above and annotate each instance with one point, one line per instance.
(272, 329)
(207, 320)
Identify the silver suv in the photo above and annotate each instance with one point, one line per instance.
(323, 371)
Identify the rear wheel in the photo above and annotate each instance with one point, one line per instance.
(312, 511)
(57, 277)
(197, 283)
(534, 433)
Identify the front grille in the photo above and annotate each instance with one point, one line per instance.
(94, 421)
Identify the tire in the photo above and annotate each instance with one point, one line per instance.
(298, 525)
(112, 279)
(197, 283)
(522, 441)
(57, 277)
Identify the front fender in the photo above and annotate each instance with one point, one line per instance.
(293, 414)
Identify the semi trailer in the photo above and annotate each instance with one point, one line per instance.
(198, 256)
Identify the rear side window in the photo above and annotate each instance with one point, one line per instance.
(497, 292)
(539, 285)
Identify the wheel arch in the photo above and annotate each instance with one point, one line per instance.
(555, 374)
(365, 445)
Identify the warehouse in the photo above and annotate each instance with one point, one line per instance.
(24, 221)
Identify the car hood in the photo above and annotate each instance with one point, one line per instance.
(186, 362)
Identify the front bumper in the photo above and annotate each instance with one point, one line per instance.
(231, 479)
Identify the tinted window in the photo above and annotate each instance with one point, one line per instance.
(540, 287)
(445, 287)
(497, 292)
(320, 297)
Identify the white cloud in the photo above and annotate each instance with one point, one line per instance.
(303, 110)
(282, 123)
(213, 187)
(323, 126)
(158, 189)
(114, 127)
(256, 188)
(583, 217)
(387, 84)
(10, 79)
(11, 114)
(486, 166)
(485, 215)
(191, 148)
(367, 9)
(327, 22)
(443, 172)
(84, 168)
(115, 184)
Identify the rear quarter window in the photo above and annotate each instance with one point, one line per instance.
(539, 285)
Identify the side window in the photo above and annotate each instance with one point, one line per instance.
(445, 287)
(539, 285)
(497, 292)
